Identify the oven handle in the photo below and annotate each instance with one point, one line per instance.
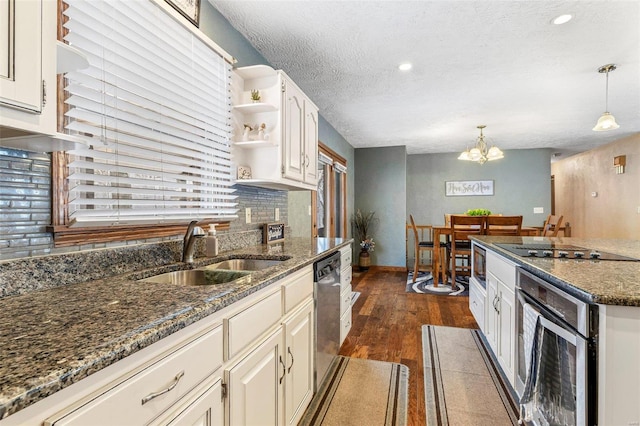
(567, 335)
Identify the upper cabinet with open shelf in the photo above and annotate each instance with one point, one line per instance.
(275, 125)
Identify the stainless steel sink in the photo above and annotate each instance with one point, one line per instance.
(244, 264)
(196, 277)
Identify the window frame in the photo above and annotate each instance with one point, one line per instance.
(331, 184)
(63, 234)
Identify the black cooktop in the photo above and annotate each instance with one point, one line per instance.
(561, 251)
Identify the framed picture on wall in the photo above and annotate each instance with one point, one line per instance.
(460, 188)
(190, 9)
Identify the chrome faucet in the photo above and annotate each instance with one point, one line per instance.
(189, 244)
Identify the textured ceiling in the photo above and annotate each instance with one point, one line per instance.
(498, 63)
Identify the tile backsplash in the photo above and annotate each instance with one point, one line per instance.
(25, 209)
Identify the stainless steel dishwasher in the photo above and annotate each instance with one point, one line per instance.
(327, 314)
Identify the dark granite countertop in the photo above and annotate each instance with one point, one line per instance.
(52, 338)
(602, 282)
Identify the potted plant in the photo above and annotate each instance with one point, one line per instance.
(255, 95)
(362, 224)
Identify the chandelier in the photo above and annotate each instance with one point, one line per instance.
(481, 153)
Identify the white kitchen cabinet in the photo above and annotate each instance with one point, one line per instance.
(139, 397)
(273, 383)
(255, 384)
(345, 292)
(299, 329)
(27, 67)
(477, 297)
(285, 154)
(500, 312)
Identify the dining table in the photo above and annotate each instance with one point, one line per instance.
(439, 273)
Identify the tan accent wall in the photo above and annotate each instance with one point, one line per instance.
(613, 213)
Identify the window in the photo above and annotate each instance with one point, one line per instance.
(330, 200)
(153, 109)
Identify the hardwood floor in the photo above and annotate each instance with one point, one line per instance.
(387, 325)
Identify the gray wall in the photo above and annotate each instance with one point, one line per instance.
(521, 182)
(381, 186)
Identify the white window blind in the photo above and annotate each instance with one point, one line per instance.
(154, 110)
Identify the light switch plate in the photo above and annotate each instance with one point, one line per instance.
(277, 214)
(247, 213)
(538, 210)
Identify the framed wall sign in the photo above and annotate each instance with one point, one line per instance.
(458, 188)
(190, 9)
(273, 233)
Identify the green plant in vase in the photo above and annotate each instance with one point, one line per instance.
(362, 224)
(255, 95)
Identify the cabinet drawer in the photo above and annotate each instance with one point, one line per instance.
(345, 257)
(345, 300)
(345, 277)
(345, 325)
(502, 269)
(245, 327)
(297, 288)
(122, 403)
(476, 302)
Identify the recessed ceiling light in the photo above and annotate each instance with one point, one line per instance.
(405, 67)
(562, 19)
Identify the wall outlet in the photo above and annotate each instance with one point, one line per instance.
(277, 214)
(247, 213)
(538, 210)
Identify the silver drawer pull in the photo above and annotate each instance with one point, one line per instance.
(162, 392)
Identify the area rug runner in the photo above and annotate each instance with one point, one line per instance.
(462, 384)
(424, 284)
(360, 392)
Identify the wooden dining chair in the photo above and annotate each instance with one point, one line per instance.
(552, 226)
(419, 247)
(504, 225)
(462, 227)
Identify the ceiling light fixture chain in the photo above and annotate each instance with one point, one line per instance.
(607, 121)
(481, 153)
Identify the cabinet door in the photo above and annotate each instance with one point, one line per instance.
(293, 132)
(491, 320)
(506, 342)
(206, 409)
(299, 348)
(256, 384)
(20, 54)
(311, 144)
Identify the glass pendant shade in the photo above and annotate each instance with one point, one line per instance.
(606, 122)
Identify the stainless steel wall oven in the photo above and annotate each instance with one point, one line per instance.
(556, 354)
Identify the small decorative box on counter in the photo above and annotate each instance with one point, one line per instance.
(273, 233)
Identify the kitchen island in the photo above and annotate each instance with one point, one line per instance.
(592, 302)
(57, 336)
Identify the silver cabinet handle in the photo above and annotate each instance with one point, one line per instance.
(162, 392)
(292, 360)
(284, 369)
(307, 157)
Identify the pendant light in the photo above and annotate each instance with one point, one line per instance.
(481, 153)
(607, 121)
